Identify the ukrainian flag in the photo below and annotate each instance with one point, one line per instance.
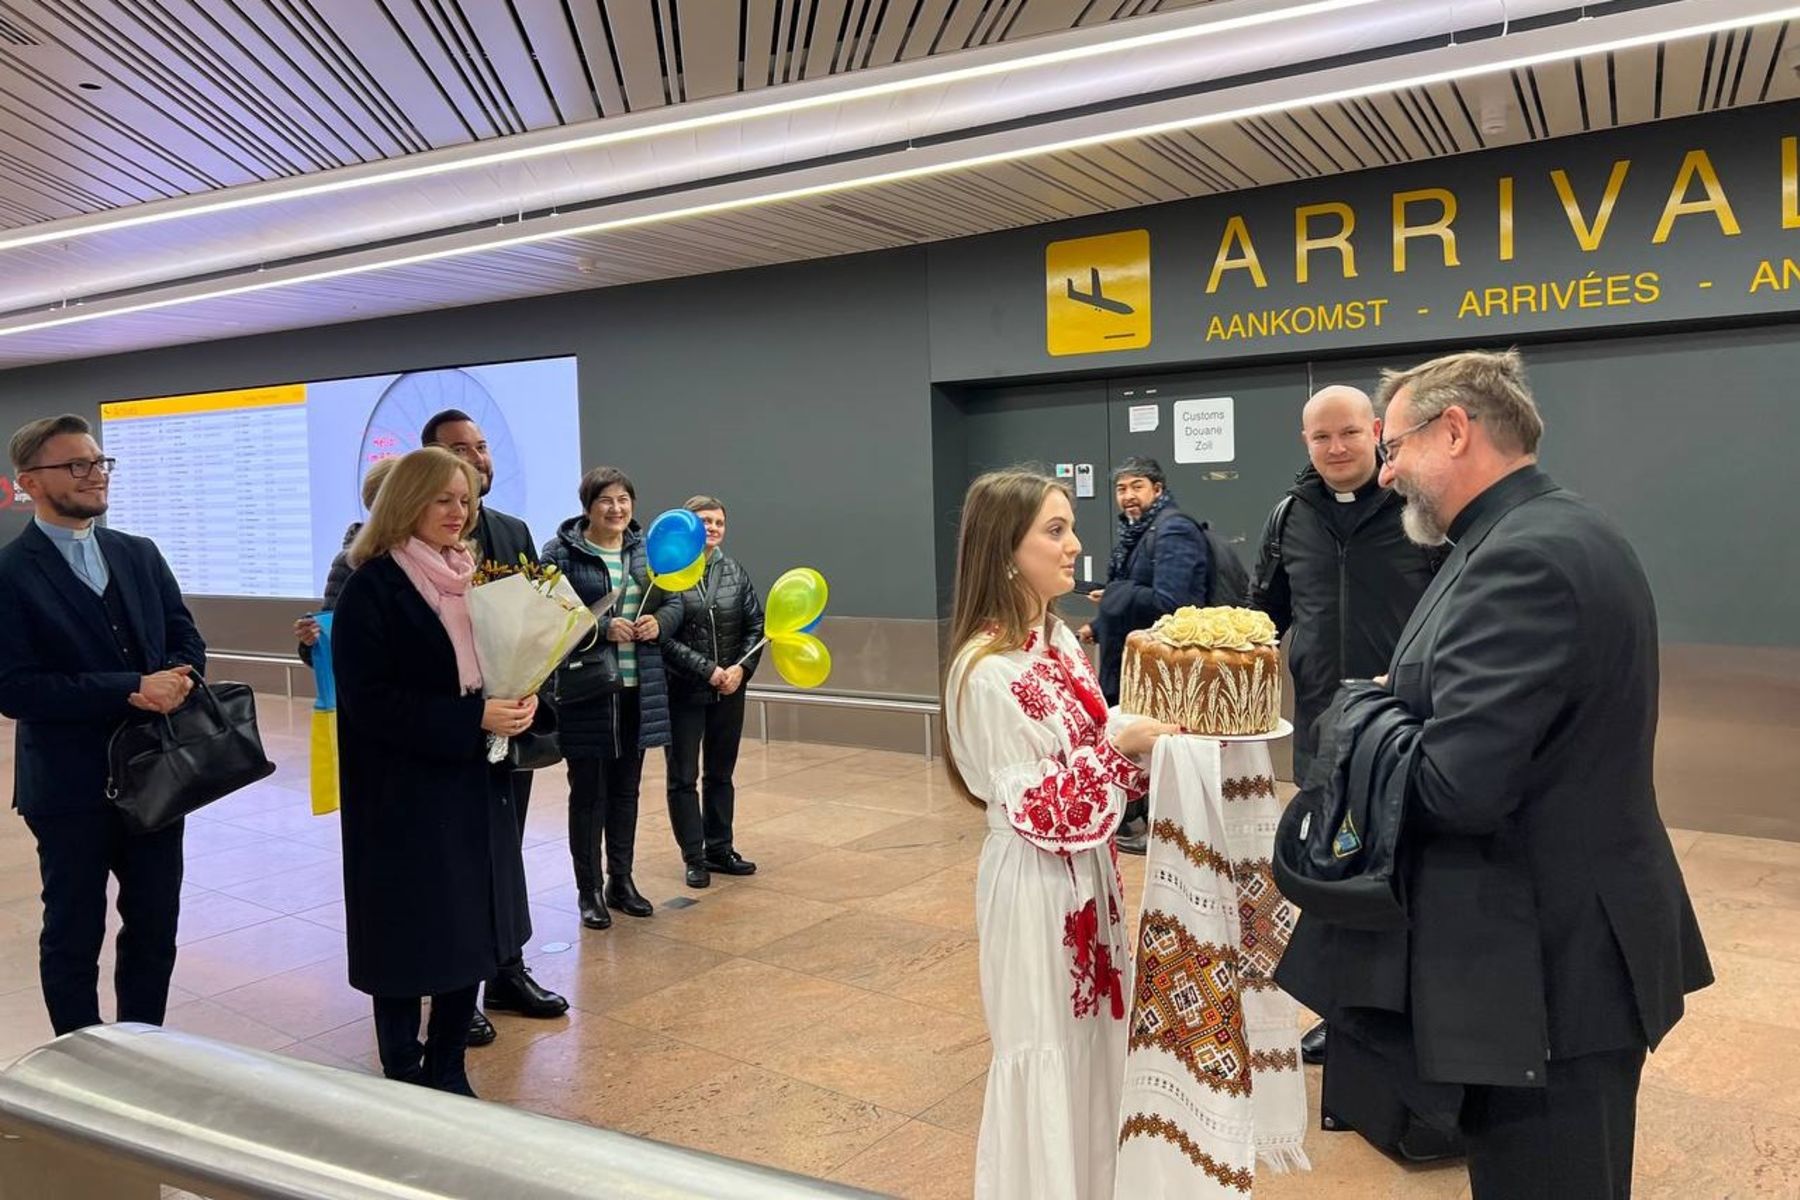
(324, 724)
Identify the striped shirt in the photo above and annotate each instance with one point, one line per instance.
(627, 606)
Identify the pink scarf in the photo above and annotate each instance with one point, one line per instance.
(442, 577)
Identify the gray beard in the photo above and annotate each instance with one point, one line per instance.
(1421, 524)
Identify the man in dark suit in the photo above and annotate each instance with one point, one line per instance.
(1551, 937)
(502, 538)
(93, 633)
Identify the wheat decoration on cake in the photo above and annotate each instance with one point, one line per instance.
(1212, 671)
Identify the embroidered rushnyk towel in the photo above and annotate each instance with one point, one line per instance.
(1212, 1077)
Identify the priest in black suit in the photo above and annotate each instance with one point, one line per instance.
(1551, 936)
(93, 633)
(500, 538)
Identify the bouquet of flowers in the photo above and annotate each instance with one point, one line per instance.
(527, 619)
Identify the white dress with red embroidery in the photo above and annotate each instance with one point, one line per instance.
(1028, 729)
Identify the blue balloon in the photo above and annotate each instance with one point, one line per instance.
(817, 621)
(675, 540)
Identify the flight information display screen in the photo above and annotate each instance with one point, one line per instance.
(250, 492)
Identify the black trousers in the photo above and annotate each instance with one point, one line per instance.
(439, 1062)
(603, 805)
(1569, 1140)
(521, 798)
(702, 821)
(76, 853)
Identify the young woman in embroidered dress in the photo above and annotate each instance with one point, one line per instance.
(1026, 736)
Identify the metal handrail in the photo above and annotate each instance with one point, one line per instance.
(287, 662)
(918, 706)
(118, 1110)
(922, 706)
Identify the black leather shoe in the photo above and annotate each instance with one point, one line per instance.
(481, 1030)
(623, 895)
(730, 863)
(593, 911)
(515, 991)
(1133, 837)
(1422, 1143)
(1312, 1044)
(698, 876)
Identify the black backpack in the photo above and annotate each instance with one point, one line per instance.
(1227, 582)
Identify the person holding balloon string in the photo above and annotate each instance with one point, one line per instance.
(708, 651)
(608, 724)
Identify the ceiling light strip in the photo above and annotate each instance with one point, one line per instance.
(280, 278)
(402, 171)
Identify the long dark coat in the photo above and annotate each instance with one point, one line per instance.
(434, 888)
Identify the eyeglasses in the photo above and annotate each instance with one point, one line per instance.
(78, 468)
(1389, 445)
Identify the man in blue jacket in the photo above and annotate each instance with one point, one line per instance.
(1159, 563)
(93, 633)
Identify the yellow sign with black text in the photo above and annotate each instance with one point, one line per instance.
(1097, 293)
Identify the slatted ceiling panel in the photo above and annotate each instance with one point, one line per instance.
(1278, 138)
(1173, 174)
(551, 44)
(1753, 66)
(148, 120)
(1596, 90)
(593, 46)
(1360, 133)
(891, 25)
(1785, 81)
(1232, 146)
(1764, 67)
(1044, 16)
(496, 41)
(816, 42)
(848, 49)
(753, 41)
(1179, 153)
(1446, 114)
(1769, 78)
(1683, 65)
(1306, 127)
(922, 30)
(958, 32)
(636, 51)
(1562, 99)
(711, 41)
(1113, 178)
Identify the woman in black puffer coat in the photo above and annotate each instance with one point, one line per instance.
(721, 617)
(604, 737)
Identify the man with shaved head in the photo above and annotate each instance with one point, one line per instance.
(1337, 570)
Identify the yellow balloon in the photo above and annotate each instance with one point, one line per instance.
(680, 581)
(795, 601)
(801, 658)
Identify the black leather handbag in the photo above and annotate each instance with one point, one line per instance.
(540, 746)
(163, 768)
(588, 675)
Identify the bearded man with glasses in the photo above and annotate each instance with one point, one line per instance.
(93, 632)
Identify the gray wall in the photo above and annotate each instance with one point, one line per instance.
(798, 394)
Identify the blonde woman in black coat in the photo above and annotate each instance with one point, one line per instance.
(434, 887)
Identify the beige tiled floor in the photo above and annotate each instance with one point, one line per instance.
(825, 1016)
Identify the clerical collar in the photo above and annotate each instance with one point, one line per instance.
(1370, 487)
(62, 533)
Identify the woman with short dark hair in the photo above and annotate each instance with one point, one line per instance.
(604, 734)
(710, 663)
